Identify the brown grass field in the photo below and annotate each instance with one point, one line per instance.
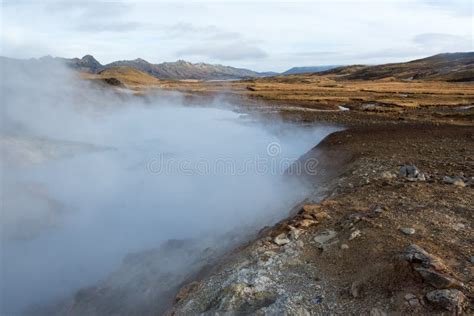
(309, 94)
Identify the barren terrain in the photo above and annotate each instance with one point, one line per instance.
(395, 232)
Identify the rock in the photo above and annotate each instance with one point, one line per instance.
(325, 236)
(355, 289)
(378, 210)
(416, 254)
(306, 223)
(459, 226)
(344, 246)
(377, 312)
(412, 300)
(311, 208)
(411, 173)
(450, 299)
(294, 233)
(281, 239)
(388, 176)
(320, 216)
(317, 300)
(300, 244)
(438, 280)
(409, 296)
(408, 171)
(407, 230)
(329, 203)
(307, 216)
(355, 234)
(457, 181)
(451, 180)
(242, 298)
(114, 82)
(471, 259)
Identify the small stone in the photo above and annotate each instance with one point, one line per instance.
(325, 236)
(344, 246)
(294, 233)
(281, 239)
(306, 223)
(355, 234)
(471, 259)
(307, 216)
(452, 300)
(412, 300)
(317, 300)
(388, 175)
(300, 244)
(408, 230)
(459, 226)
(408, 171)
(320, 216)
(355, 290)
(458, 181)
(409, 296)
(377, 312)
(378, 210)
(438, 280)
(414, 303)
(449, 180)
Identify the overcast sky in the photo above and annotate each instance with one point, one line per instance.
(261, 35)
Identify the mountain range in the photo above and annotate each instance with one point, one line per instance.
(182, 69)
(454, 67)
(168, 70)
(441, 67)
(308, 69)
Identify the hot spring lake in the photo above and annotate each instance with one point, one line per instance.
(83, 193)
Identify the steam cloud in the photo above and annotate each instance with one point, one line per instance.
(78, 192)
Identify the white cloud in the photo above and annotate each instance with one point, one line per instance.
(444, 42)
(223, 52)
(263, 35)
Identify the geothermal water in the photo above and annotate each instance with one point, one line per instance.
(83, 187)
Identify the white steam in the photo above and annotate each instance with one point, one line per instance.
(81, 189)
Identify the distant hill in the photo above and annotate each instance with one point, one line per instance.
(308, 69)
(87, 63)
(129, 76)
(169, 70)
(443, 67)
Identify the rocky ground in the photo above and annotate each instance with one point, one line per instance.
(393, 236)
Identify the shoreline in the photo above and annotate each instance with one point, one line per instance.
(352, 268)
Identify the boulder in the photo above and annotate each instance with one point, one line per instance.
(450, 299)
(411, 173)
(438, 280)
(281, 239)
(416, 254)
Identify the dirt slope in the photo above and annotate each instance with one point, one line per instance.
(349, 254)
